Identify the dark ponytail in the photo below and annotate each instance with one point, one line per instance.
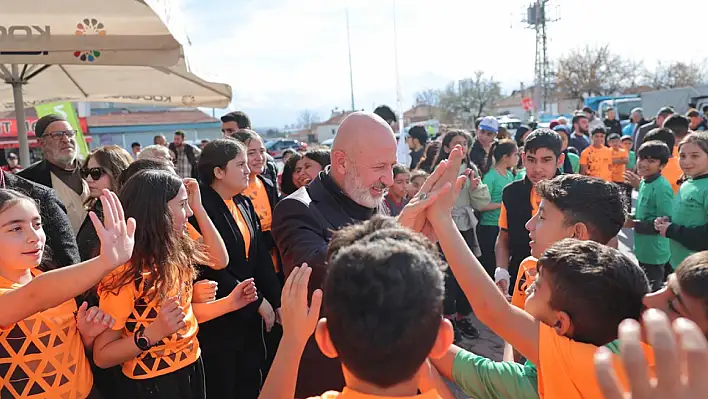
(498, 151)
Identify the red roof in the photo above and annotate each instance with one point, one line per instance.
(335, 119)
(150, 118)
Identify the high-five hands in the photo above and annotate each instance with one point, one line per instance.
(299, 319)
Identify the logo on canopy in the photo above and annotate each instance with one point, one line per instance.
(89, 27)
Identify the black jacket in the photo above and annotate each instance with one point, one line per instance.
(642, 132)
(38, 172)
(87, 238)
(60, 237)
(230, 329)
(516, 200)
(613, 126)
(273, 198)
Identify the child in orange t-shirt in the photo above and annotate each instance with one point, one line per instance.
(43, 336)
(384, 334)
(155, 330)
(583, 290)
(596, 160)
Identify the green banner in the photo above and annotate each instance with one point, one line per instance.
(66, 110)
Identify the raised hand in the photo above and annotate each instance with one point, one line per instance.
(681, 358)
(243, 294)
(169, 320)
(299, 319)
(92, 322)
(445, 177)
(117, 236)
(266, 311)
(194, 195)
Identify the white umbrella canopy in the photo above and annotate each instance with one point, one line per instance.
(96, 50)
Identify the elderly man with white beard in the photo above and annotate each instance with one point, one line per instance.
(348, 191)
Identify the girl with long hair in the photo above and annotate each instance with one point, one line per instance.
(43, 335)
(237, 346)
(427, 163)
(101, 170)
(154, 336)
(505, 154)
(290, 179)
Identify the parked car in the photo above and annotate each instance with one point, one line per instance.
(276, 147)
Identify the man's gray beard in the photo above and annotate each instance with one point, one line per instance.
(355, 190)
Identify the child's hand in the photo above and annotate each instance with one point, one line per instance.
(243, 294)
(629, 223)
(169, 320)
(117, 236)
(204, 291)
(194, 195)
(92, 322)
(681, 360)
(267, 313)
(474, 180)
(299, 320)
(661, 225)
(632, 179)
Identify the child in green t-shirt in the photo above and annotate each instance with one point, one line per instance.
(505, 154)
(655, 200)
(627, 144)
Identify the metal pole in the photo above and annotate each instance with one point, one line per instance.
(20, 117)
(351, 71)
(399, 99)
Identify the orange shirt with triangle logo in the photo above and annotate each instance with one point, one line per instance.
(132, 310)
(43, 356)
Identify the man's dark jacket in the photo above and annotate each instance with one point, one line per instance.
(191, 157)
(303, 224)
(642, 132)
(38, 172)
(60, 237)
(613, 126)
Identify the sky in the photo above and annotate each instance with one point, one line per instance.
(284, 56)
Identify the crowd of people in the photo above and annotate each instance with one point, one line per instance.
(181, 271)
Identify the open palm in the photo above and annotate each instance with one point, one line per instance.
(117, 236)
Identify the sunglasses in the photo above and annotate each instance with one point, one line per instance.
(95, 173)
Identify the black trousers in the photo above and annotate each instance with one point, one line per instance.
(236, 373)
(487, 238)
(655, 274)
(185, 383)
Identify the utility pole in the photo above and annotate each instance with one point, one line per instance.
(537, 19)
(351, 71)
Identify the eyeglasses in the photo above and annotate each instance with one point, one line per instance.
(60, 134)
(95, 173)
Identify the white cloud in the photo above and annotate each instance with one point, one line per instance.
(288, 55)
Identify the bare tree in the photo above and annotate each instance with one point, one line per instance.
(595, 71)
(307, 118)
(676, 74)
(470, 98)
(429, 97)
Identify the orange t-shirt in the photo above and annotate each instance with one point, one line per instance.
(618, 168)
(43, 356)
(352, 394)
(256, 191)
(672, 171)
(598, 161)
(524, 279)
(567, 368)
(193, 233)
(132, 310)
(535, 201)
(241, 223)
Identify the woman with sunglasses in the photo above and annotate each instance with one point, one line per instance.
(100, 171)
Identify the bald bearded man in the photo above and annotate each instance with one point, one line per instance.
(348, 191)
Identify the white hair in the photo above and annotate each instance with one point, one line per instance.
(156, 152)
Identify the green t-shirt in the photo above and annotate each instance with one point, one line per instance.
(496, 183)
(574, 162)
(520, 174)
(632, 160)
(690, 210)
(483, 378)
(655, 200)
